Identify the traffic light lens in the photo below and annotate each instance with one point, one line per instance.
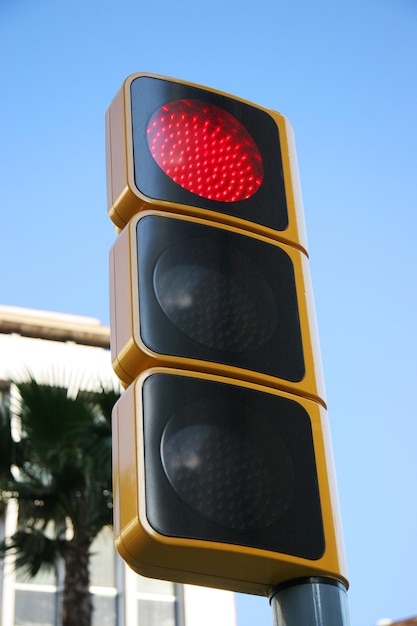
(220, 300)
(226, 463)
(220, 465)
(211, 294)
(205, 150)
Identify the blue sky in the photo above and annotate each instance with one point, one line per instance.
(345, 74)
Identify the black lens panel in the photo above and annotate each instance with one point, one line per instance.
(209, 457)
(268, 206)
(204, 294)
(229, 309)
(229, 464)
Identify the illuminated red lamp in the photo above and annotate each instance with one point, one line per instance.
(187, 149)
(205, 150)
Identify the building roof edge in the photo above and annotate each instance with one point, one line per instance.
(54, 326)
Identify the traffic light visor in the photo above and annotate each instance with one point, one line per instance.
(195, 293)
(223, 483)
(173, 145)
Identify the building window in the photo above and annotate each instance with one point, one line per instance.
(35, 605)
(156, 602)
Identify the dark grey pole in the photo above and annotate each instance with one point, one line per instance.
(310, 602)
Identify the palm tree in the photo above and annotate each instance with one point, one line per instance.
(59, 470)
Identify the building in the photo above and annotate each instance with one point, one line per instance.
(75, 350)
(412, 621)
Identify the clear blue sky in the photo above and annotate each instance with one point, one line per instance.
(345, 73)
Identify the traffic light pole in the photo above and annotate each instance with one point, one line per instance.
(310, 602)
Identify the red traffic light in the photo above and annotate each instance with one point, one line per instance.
(179, 147)
(222, 458)
(206, 150)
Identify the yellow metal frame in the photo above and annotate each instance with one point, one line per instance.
(209, 563)
(234, 567)
(130, 355)
(125, 200)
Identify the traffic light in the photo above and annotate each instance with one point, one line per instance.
(195, 151)
(223, 471)
(191, 293)
(223, 483)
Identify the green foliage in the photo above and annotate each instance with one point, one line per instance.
(33, 550)
(59, 470)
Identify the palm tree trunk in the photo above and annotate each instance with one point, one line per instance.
(77, 606)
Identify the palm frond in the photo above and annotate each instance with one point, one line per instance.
(49, 415)
(7, 444)
(59, 470)
(33, 550)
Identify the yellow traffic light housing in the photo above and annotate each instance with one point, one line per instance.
(167, 271)
(224, 483)
(152, 113)
(223, 472)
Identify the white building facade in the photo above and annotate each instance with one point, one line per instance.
(74, 350)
